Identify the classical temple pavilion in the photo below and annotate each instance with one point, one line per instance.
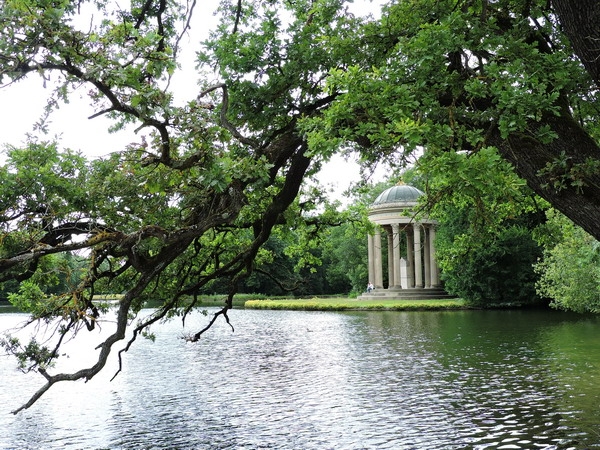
(412, 270)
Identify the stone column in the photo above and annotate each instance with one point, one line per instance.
(378, 282)
(370, 258)
(427, 258)
(391, 263)
(410, 257)
(396, 256)
(435, 271)
(404, 274)
(418, 260)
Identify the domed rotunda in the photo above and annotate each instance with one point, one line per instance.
(412, 271)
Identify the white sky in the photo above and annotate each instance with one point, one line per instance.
(22, 106)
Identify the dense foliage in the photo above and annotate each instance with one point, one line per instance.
(498, 271)
(475, 76)
(570, 269)
(191, 203)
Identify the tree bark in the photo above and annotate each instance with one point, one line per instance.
(580, 21)
(573, 146)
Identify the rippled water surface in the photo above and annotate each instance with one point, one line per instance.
(308, 380)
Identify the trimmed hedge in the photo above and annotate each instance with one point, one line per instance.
(338, 304)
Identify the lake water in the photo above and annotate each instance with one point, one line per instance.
(314, 380)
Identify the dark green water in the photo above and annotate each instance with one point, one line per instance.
(303, 380)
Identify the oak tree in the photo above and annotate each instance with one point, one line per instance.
(187, 206)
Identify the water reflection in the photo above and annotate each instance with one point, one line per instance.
(302, 380)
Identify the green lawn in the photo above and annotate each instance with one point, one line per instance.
(345, 304)
(251, 301)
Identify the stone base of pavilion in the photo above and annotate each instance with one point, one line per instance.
(406, 294)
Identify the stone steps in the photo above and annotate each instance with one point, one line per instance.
(406, 294)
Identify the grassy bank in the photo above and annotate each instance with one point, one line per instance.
(250, 301)
(345, 304)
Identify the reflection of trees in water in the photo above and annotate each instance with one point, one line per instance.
(507, 373)
(493, 374)
(572, 353)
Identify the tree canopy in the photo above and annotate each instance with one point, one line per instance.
(282, 87)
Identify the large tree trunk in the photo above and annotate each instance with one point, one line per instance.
(580, 20)
(572, 148)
